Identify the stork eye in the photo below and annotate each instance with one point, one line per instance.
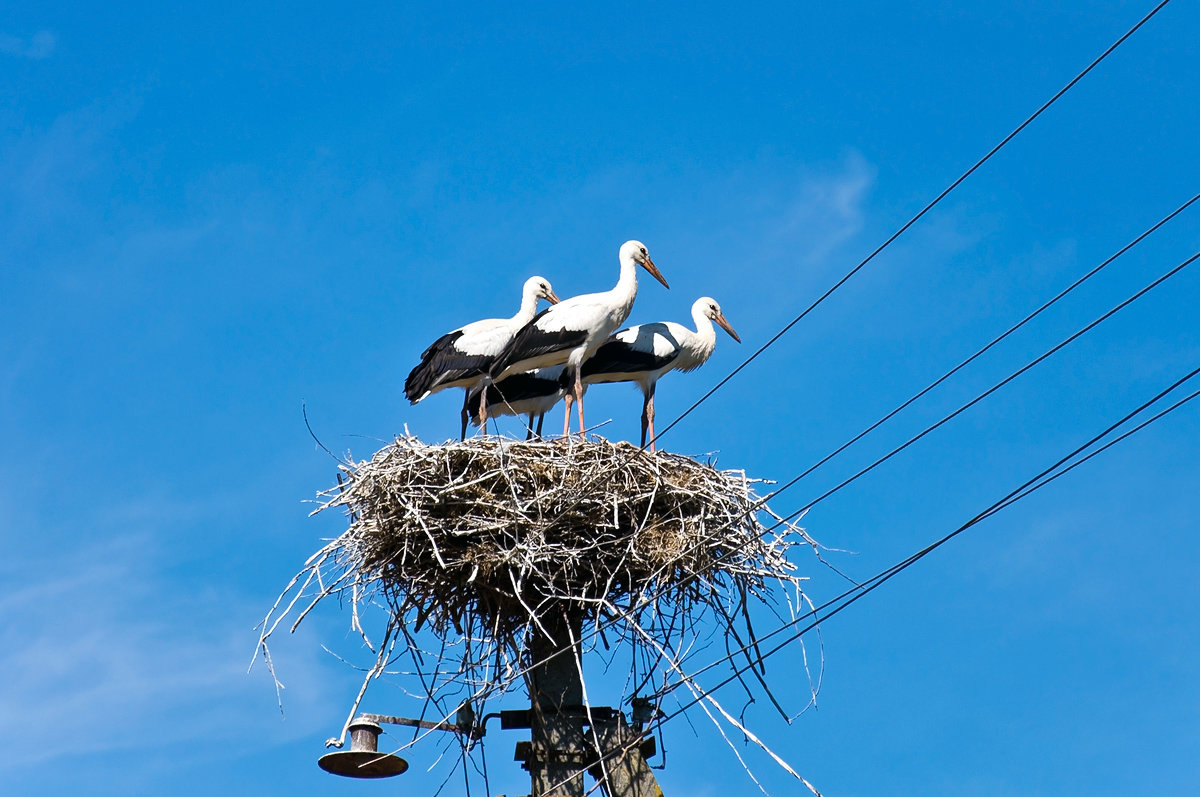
(643, 250)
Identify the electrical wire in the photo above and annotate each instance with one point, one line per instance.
(914, 219)
(1043, 478)
(1047, 476)
(979, 353)
(1057, 347)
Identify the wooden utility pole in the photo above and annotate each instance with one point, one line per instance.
(557, 757)
(560, 752)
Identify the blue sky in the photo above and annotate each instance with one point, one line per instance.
(210, 216)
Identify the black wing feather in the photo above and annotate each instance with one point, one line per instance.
(531, 342)
(442, 362)
(618, 357)
(443, 342)
(520, 387)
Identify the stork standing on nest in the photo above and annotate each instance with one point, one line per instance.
(644, 353)
(533, 393)
(461, 358)
(571, 331)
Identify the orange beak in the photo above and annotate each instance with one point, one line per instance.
(653, 269)
(724, 324)
(552, 298)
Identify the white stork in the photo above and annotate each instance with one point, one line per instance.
(461, 358)
(532, 393)
(570, 332)
(644, 353)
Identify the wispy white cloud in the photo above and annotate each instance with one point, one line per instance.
(46, 172)
(794, 224)
(826, 209)
(100, 647)
(40, 45)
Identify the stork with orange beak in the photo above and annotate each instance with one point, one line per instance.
(461, 358)
(571, 331)
(644, 353)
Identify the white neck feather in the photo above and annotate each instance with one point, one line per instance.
(625, 291)
(529, 302)
(699, 346)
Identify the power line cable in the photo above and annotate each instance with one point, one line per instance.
(915, 218)
(792, 482)
(995, 341)
(1057, 347)
(1046, 476)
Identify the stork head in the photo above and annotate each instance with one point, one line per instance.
(708, 307)
(539, 288)
(636, 251)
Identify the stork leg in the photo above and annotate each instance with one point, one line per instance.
(567, 399)
(529, 428)
(645, 416)
(648, 417)
(579, 399)
(465, 415)
(482, 409)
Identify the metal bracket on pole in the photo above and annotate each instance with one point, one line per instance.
(620, 765)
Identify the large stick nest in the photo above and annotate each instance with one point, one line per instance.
(491, 534)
